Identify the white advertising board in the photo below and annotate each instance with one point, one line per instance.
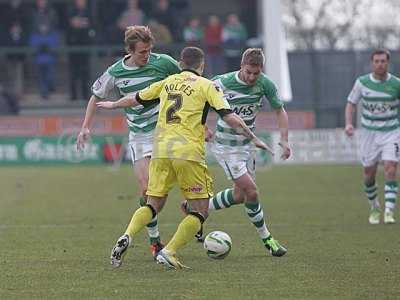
(319, 146)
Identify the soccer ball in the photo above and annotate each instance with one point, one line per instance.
(218, 244)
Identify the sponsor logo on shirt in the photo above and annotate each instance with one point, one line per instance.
(377, 108)
(229, 95)
(190, 78)
(194, 189)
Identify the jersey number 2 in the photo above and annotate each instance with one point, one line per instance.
(177, 105)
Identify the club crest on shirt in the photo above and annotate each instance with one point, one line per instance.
(97, 85)
(229, 95)
(256, 90)
(217, 87)
(235, 168)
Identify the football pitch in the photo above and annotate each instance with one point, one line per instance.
(58, 225)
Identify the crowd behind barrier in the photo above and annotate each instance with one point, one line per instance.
(41, 39)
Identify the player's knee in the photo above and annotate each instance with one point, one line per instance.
(238, 196)
(390, 171)
(251, 194)
(369, 177)
(156, 204)
(200, 206)
(201, 215)
(157, 208)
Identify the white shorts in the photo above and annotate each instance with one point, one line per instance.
(140, 145)
(376, 146)
(236, 161)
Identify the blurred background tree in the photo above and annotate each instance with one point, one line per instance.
(341, 24)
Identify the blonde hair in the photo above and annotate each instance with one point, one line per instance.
(253, 57)
(135, 34)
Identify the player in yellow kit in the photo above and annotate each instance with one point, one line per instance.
(179, 150)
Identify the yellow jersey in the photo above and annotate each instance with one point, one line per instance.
(185, 99)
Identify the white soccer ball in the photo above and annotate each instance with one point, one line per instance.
(218, 244)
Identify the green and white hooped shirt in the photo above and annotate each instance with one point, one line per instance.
(379, 100)
(246, 101)
(120, 80)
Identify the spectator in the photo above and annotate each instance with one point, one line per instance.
(213, 43)
(193, 33)
(79, 33)
(234, 37)
(165, 15)
(15, 21)
(44, 42)
(160, 32)
(44, 14)
(8, 102)
(133, 15)
(106, 15)
(15, 16)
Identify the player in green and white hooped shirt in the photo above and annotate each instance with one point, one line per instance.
(130, 74)
(245, 90)
(379, 93)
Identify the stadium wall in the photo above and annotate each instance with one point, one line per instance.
(51, 139)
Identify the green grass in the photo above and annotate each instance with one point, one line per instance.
(58, 224)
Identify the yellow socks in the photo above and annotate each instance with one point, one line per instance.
(140, 219)
(189, 226)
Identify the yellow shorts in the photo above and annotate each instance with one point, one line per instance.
(192, 177)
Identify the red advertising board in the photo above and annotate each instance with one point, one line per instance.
(56, 125)
(102, 125)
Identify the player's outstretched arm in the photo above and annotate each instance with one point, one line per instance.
(84, 133)
(236, 122)
(127, 101)
(283, 125)
(208, 134)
